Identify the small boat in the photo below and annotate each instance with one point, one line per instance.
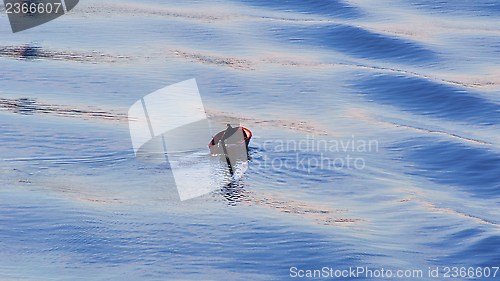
(229, 138)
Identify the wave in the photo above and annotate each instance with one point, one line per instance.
(315, 212)
(480, 252)
(330, 8)
(30, 52)
(103, 159)
(240, 63)
(236, 63)
(29, 106)
(357, 42)
(429, 98)
(460, 7)
(471, 169)
(143, 9)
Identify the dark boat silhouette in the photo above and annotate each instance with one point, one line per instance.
(236, 138)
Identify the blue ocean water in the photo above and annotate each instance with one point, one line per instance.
(376, 140)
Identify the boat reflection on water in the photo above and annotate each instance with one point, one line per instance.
(235, 193)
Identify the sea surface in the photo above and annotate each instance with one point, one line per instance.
(376, 140)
